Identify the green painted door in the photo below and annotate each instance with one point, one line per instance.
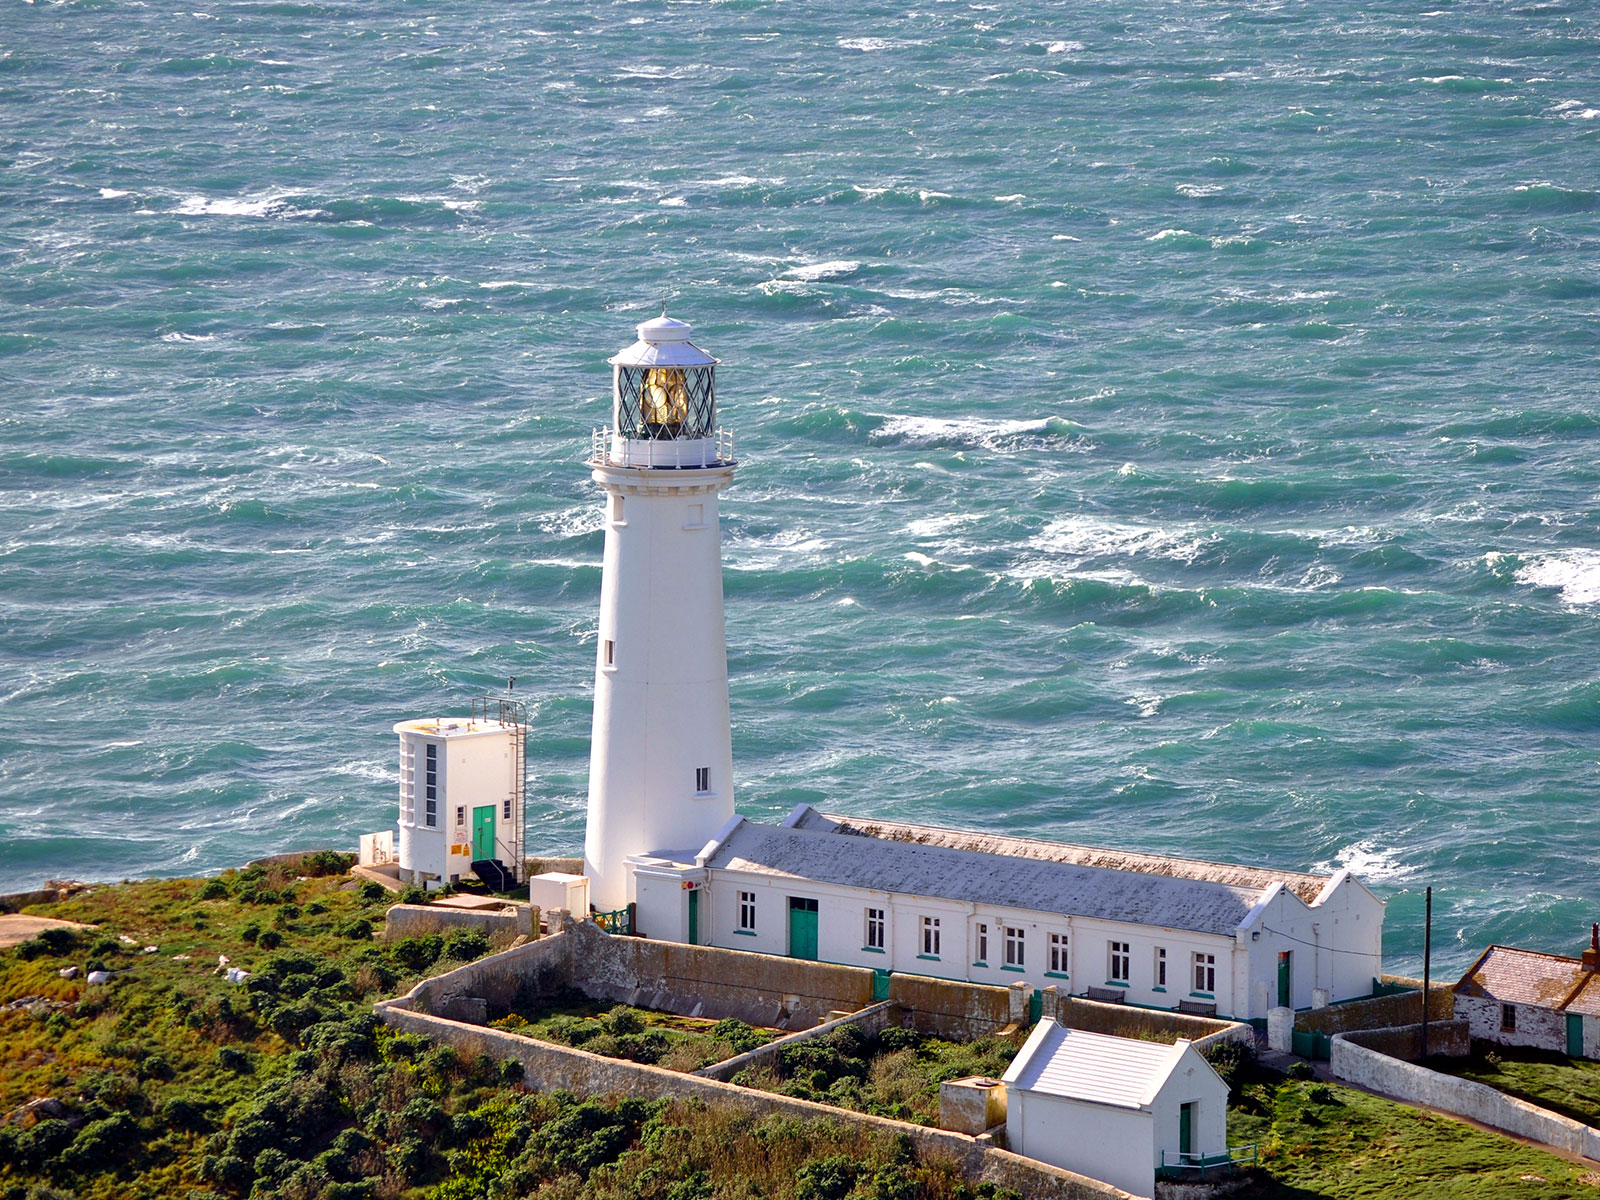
(694, 917)
(1186, 1129)
(483, 833)
(802, 928)
(1285, 979)
(1574, 1035)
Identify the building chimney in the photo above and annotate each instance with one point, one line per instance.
(1591, 956)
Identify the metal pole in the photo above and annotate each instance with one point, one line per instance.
(1427, 963)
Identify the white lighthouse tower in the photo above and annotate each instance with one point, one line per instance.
(661, 756)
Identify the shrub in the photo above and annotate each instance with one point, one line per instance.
(737, 1034)
(465, 945)
(1301, 1070)
(829, 1178)
(57, 940)
(250, 932)
(895, 1038)
(371, 891)
(326, 862)
(214, 889)
(417, 953)
(231, 1059)
(358, 930)
(623, 1021)
(270, 939)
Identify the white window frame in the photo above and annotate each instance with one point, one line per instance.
(930, 937)
(1205, 973)
(430, 784)
(702, 781)
(1059, 959)
(1016, 945)
(983, 945)
(1161, 967)
(1119, 958)
(874, 930)
(747, 912)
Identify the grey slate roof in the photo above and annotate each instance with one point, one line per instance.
(1304, 885)
(1099, 1068)
(969, 876)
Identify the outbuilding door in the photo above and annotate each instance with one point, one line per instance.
(694, 918)
(802, 928)
(483, 833)
(1186, 1130)
(1574, 1035)
(1286, 979)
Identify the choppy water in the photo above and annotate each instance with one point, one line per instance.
(1168, 425)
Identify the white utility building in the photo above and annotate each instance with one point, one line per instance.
(461, 796)
(1114, 1109)
(661, 755)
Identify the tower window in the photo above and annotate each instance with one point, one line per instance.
(697, 517)
(461, 815)
(1119, 963)
(702, 780)
(747, 911)
(505, 809)
(1014, 946)
(608, 653)
(430, 785)
(616, 510)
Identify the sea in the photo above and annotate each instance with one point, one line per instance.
(1172, 426)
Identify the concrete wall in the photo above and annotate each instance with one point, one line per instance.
(1446, 1038)
(420, 920)
(1122, 1020)
(1371, 1068)
(548, 1067)
(1192, 1082)
(1098, 1140)
(1378, 1012)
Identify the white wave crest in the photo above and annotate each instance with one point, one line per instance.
(1367, 860)
(1575, 573)
(276, 206)
(1064, 48)
(1083, 538)
(933, 431)
(836, 268)
(574, 522)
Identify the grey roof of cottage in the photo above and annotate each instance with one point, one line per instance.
(1531, 977)
(1305, 885)
(1094, 1067)
(978, 877)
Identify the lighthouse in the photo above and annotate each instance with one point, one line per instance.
(661, 754)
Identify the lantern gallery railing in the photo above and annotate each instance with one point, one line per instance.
(608, 450)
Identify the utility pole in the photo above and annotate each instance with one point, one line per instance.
(1427, 963)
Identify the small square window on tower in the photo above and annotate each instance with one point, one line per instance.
(608, 655)
(702, 780)
(696, 517)
(616, 510)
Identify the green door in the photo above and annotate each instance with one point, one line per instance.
(1186, 1130)
(1285, 978)
(694, 917)
(1574, 1035)
(483, 833)
(802, 928)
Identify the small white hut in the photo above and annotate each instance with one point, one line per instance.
(1113, 1108)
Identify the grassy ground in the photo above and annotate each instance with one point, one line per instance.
(895, 1073)
(618, 1031)
(1321, 1140)
(1569, 1086)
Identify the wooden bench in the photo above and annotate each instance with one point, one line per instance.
(1108, 995)
(1198, 1008)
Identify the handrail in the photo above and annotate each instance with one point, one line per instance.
(603, 451)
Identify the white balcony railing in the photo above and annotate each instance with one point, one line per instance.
(606, 449)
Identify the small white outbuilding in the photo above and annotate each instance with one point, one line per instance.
(1113, 1108)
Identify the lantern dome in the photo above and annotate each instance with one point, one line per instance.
(664, 390)
(663, 342)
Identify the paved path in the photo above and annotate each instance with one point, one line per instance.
(15, 929)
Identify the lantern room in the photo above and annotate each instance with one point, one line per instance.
(663, 386)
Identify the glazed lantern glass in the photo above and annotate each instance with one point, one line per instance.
(664, 386)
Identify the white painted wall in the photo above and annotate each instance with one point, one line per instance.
(1115, 1145)
(477, 768)
(661, 704)
(1192, 1080)
(1591, 1038)
(1539, 1028)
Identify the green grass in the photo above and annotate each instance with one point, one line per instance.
(1324, 1140)
(895, 1073)
(619, 1031)
(1569, 1086)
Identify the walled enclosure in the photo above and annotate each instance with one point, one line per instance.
(1380, 1012)
(419, 920)
(1361, 1058)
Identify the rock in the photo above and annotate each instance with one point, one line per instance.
(235, 975)
(99, 976)
(180, 958)
(126, 940)
(151, 949)
(34, 1111)
(68, 972)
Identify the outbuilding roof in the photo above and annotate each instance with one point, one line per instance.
(983, 877)
(1093, 1067)
(1532, 977)
(1306, 886)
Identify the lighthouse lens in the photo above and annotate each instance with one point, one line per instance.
(664, 401)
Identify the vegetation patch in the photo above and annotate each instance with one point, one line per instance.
(895, 1073)
(1569, 1086)
(1326, 1140)
(638, 1034)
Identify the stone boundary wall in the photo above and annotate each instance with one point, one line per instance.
(948, 1007)
(1371, 1068)
(1122, 1020)
(420, 920)
(548, 1067)
(872, 1019)
(543, 866)
(1450, 1039)
(1379, 1012)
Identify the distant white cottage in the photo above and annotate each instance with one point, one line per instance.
(1113, 1108)
(1543, 1001)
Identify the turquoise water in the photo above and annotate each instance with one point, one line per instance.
(1165, 425)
